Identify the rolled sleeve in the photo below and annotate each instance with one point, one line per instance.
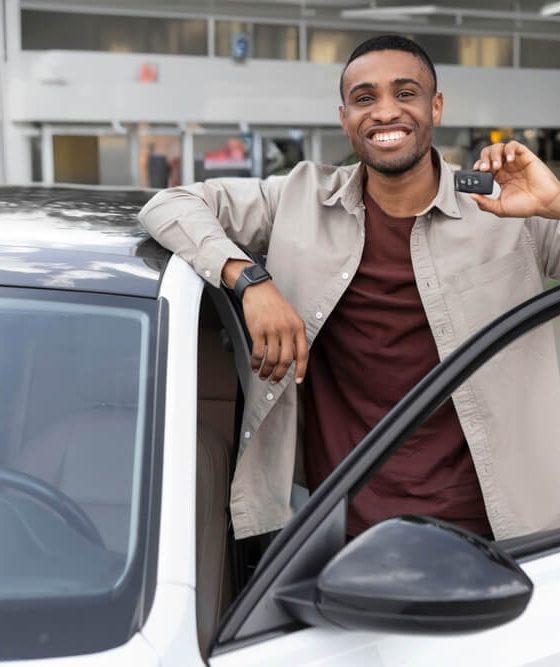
(203, 223)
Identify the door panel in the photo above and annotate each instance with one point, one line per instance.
(531, 640)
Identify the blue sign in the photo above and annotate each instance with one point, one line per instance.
(240, 46)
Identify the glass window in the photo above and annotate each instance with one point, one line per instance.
(276, 42)
(36, 159)
(98, 32)
(336, 148)
(333, 46)
(217, 155)
(76, 159)
(159, 160)
(91, 159)
(73, 405)
(468, 50)
(114, 160)
(540, 53)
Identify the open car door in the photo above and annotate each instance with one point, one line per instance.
(411, 590)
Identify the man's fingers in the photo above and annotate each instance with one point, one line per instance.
(271, 358)
(302, 355)
(285, 359)
(258, 352)
(510, 150)
(494, 157)
(487, 204)
(277, 332)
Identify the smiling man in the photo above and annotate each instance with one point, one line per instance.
(387, 116)
(372, 276)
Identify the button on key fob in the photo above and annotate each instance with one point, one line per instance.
(481, 183)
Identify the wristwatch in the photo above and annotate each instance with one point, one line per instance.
(251, 275)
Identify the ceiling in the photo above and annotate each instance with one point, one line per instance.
(487, 16)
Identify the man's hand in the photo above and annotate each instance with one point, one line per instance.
(277, 331)
(528, 187)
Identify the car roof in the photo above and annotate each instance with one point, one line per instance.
(78, 238)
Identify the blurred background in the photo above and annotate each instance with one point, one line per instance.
(151, 94)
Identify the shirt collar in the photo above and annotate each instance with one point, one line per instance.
(351, 193)
(446, 198)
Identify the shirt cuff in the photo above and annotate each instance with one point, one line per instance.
(210, 262)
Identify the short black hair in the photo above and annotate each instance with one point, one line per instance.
(390, 42)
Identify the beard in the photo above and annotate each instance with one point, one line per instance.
(392, 166)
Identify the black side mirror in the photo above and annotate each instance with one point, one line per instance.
(413, 574)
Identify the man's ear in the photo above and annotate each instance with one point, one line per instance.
(342, 117)
(437, 108)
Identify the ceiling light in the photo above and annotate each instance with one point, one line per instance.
(418, 11)
(550, 9)
(389, 13)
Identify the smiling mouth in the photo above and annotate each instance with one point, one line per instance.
(387, 138)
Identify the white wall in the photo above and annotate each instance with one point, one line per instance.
(64, 86)
(76, 88)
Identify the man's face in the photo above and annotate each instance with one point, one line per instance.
(389, 109)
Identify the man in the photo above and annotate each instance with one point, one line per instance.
(378, 271)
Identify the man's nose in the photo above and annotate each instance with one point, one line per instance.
(385, 110)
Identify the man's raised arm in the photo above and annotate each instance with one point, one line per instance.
(203, 223)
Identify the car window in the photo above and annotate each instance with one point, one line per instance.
(74, 378)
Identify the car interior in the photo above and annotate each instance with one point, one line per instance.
(69, 420)
(223, 564)
(217, 396)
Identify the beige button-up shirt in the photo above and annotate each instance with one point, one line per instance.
(469, 266)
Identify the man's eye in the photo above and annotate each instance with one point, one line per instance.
(405, 93)
(364, 99)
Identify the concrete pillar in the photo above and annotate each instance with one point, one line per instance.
(187, 155)
(316, 146)
(47, 155)
(134, 155)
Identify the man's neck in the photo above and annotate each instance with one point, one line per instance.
(404, 195)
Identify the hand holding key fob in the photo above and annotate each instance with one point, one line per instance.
(478, 182)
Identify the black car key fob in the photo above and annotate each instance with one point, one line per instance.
(479, 182)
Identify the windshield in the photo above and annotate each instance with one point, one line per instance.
(73, 396)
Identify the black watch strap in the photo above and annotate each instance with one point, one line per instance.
(251, 275)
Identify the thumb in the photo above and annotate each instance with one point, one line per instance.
(486, 204)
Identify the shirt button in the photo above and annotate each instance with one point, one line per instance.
(207, 273)
(345, 276)
(269, 396)
(318, 315)
(247, 435)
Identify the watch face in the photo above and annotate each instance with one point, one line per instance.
(256, 273)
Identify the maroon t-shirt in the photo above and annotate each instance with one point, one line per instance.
(373, 348)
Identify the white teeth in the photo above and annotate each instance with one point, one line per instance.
(388, 136)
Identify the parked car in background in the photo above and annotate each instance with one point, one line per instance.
(122, 380)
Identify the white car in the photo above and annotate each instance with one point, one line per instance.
(121, 386)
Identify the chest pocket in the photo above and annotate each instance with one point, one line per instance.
(490, 289)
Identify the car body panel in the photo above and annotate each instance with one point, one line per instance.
(531, 639)
(137, 651)
(176, 555)
(78, 239)
(171, 627)
(84, 217)
(86, 271)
